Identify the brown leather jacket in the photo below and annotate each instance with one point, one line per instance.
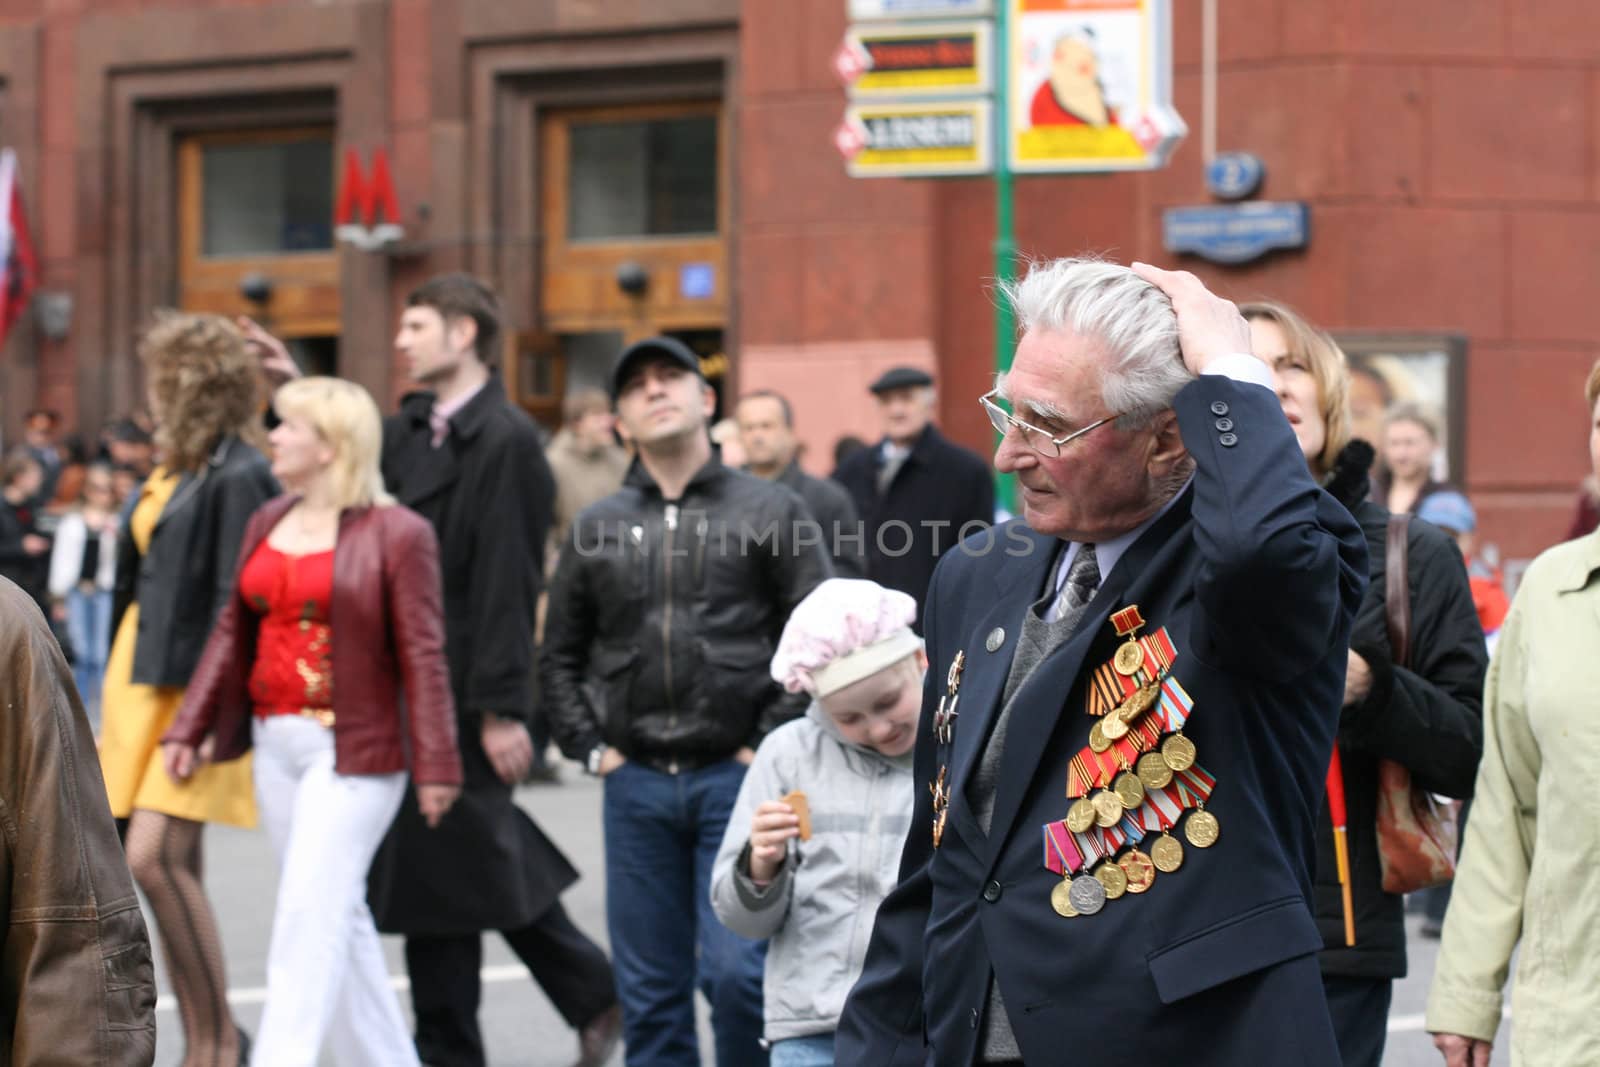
(387, 618)
(76, 983)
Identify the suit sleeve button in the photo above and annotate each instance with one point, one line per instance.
(1219, 407)
(1228, 440)
(1224, 424)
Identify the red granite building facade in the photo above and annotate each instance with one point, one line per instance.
(619, 167)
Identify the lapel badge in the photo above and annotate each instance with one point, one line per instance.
(996, 638)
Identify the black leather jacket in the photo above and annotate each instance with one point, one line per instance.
(181, 583)
(663, 617)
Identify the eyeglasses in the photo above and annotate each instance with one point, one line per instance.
(1038, 440)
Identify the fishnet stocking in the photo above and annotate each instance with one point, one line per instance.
(165, 856)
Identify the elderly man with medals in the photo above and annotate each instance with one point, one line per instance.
(1114, 833)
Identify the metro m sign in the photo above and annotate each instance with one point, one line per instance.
(363, 200)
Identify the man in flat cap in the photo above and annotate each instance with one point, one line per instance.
(918, 493)
(665, 608)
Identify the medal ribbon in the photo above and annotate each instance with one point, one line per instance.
(1097, 843)
(1105, 689)
(1161, 809)
(1061, 854)
(1193, 786)
(1133, 826)
(1127, 620)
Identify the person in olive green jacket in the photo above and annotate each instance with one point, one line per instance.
(1528, 871)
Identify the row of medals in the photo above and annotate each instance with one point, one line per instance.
(1133, 871)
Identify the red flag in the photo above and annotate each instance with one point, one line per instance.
(19, 266)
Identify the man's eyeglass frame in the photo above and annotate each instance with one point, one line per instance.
(1003, 422)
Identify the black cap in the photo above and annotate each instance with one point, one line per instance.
(900, 378)
(669, 348)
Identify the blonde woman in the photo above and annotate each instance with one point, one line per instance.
(311, 672)
(1425, 712)
(175, 565)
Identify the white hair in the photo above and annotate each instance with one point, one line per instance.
(1128, 318)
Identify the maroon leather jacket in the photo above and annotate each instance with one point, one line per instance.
(387, 618)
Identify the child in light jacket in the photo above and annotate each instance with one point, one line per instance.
(809, 872)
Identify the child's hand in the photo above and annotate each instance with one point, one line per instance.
(771, 828)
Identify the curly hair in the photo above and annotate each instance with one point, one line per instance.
(205, 383)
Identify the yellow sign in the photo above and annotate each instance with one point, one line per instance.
(916, 140)
(921, 60)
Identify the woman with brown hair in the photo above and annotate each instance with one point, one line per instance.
(176, 558)
(1423, 713)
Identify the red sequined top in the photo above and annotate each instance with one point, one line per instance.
(293, 669)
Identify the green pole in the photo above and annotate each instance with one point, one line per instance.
(1005, 244)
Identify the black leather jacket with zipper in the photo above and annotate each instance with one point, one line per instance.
(663, 617)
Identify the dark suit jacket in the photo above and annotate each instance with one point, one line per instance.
(940, 489)
(489, 494)
(1256, 573)
(186, 575)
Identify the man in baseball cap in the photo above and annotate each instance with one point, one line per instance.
(652, 349)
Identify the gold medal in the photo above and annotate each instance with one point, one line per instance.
(1137, 703)
(1153, 771)
(1130, 657)
(1139, 869)
(1113, 727)
(1179, 752)
(1098, 742)
(1166, 854)
(1202, 829)
(1080, 816)
(1129, 790)
(1107, 809)
(1061, 899)
(1112, 877)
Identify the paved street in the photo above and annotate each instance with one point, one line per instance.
(521, 1028)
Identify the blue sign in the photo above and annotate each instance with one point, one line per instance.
(697, 281)
(1234, 175)
(1236, 233)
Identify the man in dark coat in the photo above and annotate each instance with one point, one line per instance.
(766, 433)
(919, 494)
(1155, 652)
(467, 460)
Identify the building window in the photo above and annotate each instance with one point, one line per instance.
(270, 195)
(653, 177)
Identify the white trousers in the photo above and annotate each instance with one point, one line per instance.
(326, 975)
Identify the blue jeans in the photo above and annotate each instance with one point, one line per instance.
(662, 836)
(814, 1051)
(89, 631)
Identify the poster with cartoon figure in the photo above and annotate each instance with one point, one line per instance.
(1091, 85)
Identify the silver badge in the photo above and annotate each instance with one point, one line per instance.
(997, 637)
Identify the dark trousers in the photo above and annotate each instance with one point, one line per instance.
(1360, 1011)
(663, 832)
(445, 985)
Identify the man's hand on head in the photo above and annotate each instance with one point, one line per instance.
(1209, 327)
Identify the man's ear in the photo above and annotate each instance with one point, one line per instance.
(462, 333)
(708, 396)
(1166, 446)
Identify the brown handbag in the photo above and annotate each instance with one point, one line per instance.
(1416, 834)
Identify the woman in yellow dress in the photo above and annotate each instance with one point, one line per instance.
(176, 561)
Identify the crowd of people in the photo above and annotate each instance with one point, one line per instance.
(889, 776)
